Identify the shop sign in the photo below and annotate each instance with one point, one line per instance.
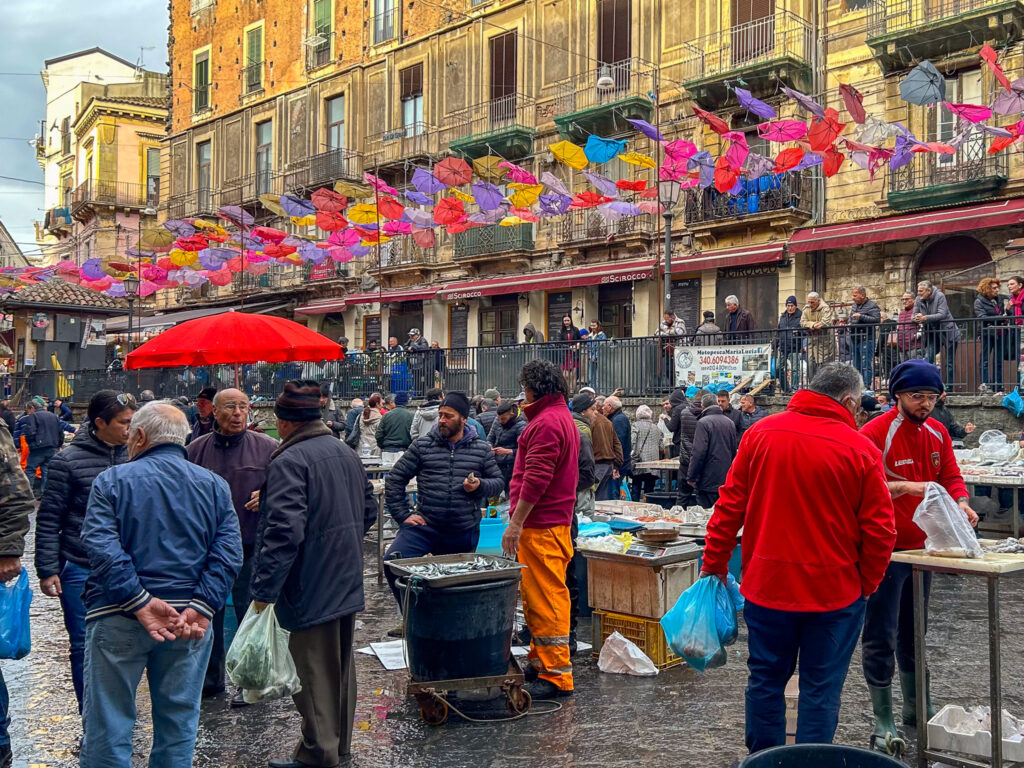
(729, 365)
(644, 274)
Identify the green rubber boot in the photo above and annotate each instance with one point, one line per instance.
(908, 682)
(886, 738)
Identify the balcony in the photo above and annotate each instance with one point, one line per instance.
(112, 194)
(393, 148)
(318, 51)
(589, 226)
(57, 220)
(334, 165)
(252, 78)
(599, 100)
(384, 26)
(763, 53)
(936, 180)
(198, 202)
(326, 270)
(402, 253)
(903, 32)
(482, 242)
(504, 126)
(783, 200)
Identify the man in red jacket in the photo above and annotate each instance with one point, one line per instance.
(542, 498)
(816, 542)
(915, 450)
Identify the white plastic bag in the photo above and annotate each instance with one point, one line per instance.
(259, 661)
(994, 446)
(623, 657)
(945, 524)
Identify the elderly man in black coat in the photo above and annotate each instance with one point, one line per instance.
(315, 508)
(714, 447)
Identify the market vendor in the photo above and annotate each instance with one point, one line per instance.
(916, 449)
(455, 470)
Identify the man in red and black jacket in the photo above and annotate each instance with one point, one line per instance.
(916, 450)
(818, 530)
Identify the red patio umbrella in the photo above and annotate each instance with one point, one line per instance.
(453, 171)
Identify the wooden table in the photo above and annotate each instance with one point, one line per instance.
(1016, 482)
(992, 567)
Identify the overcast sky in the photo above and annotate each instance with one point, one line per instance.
(31, 32)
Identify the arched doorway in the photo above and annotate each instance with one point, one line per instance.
(956, 264)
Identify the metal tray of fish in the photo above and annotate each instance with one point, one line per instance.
(453, 570)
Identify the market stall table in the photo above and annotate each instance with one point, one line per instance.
(665, 467)
(992, 567)
(379, 471)
(1013, 481)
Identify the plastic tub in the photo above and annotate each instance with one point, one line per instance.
(820, 756)
(491, 531)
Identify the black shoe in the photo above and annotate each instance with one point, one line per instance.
(238, 701)
(292, 764)
(530, 672)
(398, 631)
(208, 693)
(6, 756)
(543, 689)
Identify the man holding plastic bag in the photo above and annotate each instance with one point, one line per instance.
(315, 509)
(916, 451)
(818, 530)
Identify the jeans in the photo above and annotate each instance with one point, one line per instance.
(72, 584)
(991, 357)
(420, 540)
(117, 650)
(592, 373)
(889, 625)
(215, 670)
(941, 342)
(604, 481)
(5, 713)
(789, 370)
(824, 643)
(864, 360)
(38, 458)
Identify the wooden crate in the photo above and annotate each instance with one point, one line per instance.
(637, 589)
(646, 633)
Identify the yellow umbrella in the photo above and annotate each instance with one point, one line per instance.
(304, 221)
(525, 194)
(636, 158)
(463, 196)
(510, 221)
(180, 258)
(569, 154)
(209, 226)
(273, 204)
(157, 237)
(351, 189)
(487, 168)
(363, 213)
(64, 390)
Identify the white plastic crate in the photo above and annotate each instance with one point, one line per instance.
(946, 732)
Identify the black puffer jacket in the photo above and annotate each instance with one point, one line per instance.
(69, 480)
(487, 419)
(687, 429)
(507, 436)
(440, 467)
(714, 447)
(679, 404)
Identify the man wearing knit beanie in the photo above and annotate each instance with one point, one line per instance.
(308, 568)
(916, 450)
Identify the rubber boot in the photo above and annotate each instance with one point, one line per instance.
(908, 682)
(885, 737)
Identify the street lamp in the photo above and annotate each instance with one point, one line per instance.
(131, 290)
(668, 194)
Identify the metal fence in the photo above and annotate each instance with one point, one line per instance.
(779, 35)
(973, 355)
(887, 16)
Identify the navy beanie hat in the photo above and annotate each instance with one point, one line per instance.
(402, 398)
(299, 401)
(457, 402)
(915, 376)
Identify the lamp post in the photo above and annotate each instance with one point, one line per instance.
(668, 194)
(131, 290)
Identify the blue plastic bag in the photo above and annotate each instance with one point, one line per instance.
(697, 623)
(1014, 403)
(15, 638)
(734, 592)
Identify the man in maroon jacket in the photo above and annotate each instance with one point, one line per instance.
(816, 542)
(542, 498)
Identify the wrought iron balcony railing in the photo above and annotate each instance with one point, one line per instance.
(334, 165)
(968, 165)
(585, 225)
(112, 193)
(605, 84)
(486, 241)
(789, 192)
(252, 78)
(514, 110)
(889, 16)
(403, 252)
(408, 142)
(781, 35)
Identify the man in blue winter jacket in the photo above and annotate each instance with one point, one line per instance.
(164, 550)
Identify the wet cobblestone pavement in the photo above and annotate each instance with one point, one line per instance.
(678, 718)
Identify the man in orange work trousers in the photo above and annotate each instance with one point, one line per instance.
(542, 499)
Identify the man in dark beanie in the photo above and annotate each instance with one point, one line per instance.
(315, 508)
(455, 471)
(916, 450)
(204, 421)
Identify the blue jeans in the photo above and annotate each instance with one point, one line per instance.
(592, 373)
(824, 643)
(117, 650)
(864, 360)
(72, 584)
(5, 714)
(420, 540)
(38, 458)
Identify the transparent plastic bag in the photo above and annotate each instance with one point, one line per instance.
(994, 446)
(945, 524)
(15, 635)
(259, 661)
(624, 657)
(701, 624)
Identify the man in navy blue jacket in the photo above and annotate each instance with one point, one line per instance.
(164, 550)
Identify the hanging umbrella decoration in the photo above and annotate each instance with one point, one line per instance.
(924, 85)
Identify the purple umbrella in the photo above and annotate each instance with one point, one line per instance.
(1010, 102)
(179, 227)
(646, 129)
(214, 258)
(426, 182)
(737, 188)
(902, 154)
(308, 252)
(116, 290)
(490, 217)
(420, 218)
(758, 166)
(994, 130)
(297, 207)
(553, 183)
(135, 253)
(554, 204)
(295, 241)
(418, 197)
(809, 160)
(755, 106)
(805, 101)
(622, 207)
(603, 185)
(359, 250)
(92, 269)
(487, 196)
(236, 215)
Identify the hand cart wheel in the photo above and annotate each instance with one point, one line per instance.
(518, 700)
(434, 711)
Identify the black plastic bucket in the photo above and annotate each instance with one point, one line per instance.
(457, 632)
(820, 756)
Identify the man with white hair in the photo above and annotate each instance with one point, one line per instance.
(164, 550)
(818, 318)
(738, 321)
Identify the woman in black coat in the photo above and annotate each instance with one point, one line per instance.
(571, 366)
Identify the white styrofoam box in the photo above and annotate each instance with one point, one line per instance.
(952, 730)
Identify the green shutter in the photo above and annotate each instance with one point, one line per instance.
(322, 16)
(254, 44)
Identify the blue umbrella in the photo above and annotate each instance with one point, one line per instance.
(923, 85)
(600, 150)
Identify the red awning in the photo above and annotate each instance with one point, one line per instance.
(339, 304)
(1004, 213)
(598, 274)
(321, 307)
(742, 256)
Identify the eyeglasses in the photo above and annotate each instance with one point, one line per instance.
(235, 406)
(923, 397)
(127, 400)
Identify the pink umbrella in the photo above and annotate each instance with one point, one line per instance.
(991, 58)
(854, 101)
(379, 184)
(972, 113)
(782, 130)
(517, 174)
(680, 149)
(738, 150)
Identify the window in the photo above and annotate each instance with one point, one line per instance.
(264, 155)
(66, 185)
(499, 324)
(753, 29)
(320, 48)
(152, 175)
(504, 76)
(203, 175)
(961, 88)
(201, 81)
(385, 21)
(614, 36)
(411, 80)
(252, 72)
(559, 305)
(65, 136)
(336, 123)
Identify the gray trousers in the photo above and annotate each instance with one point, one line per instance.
(327, 701)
